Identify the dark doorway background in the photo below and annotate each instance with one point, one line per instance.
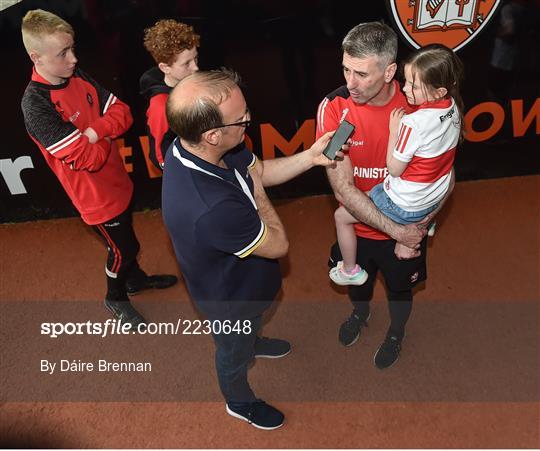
(288, 54)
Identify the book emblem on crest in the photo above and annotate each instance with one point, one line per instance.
(453, 23)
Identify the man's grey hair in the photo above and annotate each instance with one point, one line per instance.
(372, 39)
(192, 118)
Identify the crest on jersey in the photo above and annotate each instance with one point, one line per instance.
(453, 23)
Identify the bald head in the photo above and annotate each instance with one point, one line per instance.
(193, 105)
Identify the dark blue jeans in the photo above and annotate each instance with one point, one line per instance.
(234, 352)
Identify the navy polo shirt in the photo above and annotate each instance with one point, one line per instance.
(214, 225)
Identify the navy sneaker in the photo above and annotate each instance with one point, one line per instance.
(158, 281)
(258, 414)
(126, 313)
(271, 348)
(350, 330)
(388, 353)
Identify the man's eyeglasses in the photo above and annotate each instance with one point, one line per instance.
(244, 124)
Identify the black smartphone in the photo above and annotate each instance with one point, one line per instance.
(343, 133)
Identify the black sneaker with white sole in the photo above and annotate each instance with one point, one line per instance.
(350, 330)
(271, 348)
(126, 313)
(388, 352)
(258, 414)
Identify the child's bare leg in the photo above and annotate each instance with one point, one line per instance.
(346, 237)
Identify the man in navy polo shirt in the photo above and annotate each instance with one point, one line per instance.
(226, 234)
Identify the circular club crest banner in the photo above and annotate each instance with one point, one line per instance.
(453, 23)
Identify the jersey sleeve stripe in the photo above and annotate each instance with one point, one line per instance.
(401, 133)
(400, 136)
(64, 142)
(110, 101)
(320, 114)
(255, 243)
(409, 129)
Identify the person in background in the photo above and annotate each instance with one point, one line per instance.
(173, 45)
(74, 122)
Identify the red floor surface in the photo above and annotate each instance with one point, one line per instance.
(468, 375)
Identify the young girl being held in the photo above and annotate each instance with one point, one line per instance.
(420, 155)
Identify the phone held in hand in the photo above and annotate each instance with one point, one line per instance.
(343, 133)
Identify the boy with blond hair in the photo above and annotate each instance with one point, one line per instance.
(74, 121)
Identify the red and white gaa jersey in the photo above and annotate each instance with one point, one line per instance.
(367, 151)
(427, 141)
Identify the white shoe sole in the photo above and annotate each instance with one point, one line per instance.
(264, 356)
(336, 278)
(240, 417)
(354, 341)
